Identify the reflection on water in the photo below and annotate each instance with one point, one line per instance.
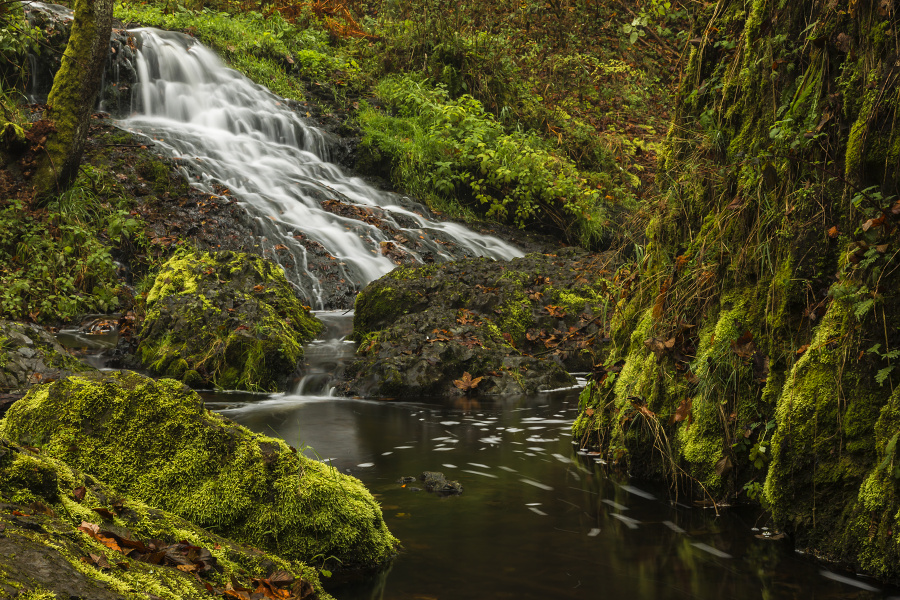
(537, 518)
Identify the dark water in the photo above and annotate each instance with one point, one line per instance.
(537, 519)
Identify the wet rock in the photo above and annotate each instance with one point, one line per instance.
(224, 319)
(30, 355)
(42, 547)
(435, 481)
(154, 441)
(480, 326)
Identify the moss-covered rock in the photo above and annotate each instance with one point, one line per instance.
(46, 547)
(154, 441)
(517, 325)
(226, 319)
(758, 350)
(30, 355)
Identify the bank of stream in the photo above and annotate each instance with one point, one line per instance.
(538, 517)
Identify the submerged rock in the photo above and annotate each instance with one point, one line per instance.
(29, 355)
(66, 533)
(480, 326)
(226, 319)
(436, 482)
(155, 442)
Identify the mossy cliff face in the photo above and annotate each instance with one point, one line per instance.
(154, 441)
(42, 549)
(755, 359)
(518, 325)
(228, 320)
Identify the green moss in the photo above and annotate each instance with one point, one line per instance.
(515, 318)
(226, 320)
(154, 441)
(56, 530)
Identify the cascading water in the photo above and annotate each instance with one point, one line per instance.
(236, 134)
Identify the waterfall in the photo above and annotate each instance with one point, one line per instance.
(337, 231)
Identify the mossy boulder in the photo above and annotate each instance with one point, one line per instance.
(517, 325)
(155, 442)
(29, 355)
(225, 319)
(47, 548)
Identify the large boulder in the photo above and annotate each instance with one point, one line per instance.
(29, 355)
(155, 442)
(479, 325)
(67, 533)
(227, 319)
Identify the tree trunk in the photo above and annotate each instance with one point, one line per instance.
(72, 97)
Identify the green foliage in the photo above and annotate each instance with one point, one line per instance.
(442, 147)
(52, 267)
(264, 47)
(17, 40)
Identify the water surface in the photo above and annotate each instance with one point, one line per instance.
(537, 518)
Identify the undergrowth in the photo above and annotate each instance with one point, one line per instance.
(57, 263)
(444, 149)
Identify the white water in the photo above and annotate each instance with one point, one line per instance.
(238, 134)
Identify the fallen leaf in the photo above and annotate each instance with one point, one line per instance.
(683, 412)
(104, 512)
(555, 311)
(743, 346)
(467, 382)
(833, 232)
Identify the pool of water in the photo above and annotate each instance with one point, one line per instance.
(538, 518)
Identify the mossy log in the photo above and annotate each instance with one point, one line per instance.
(73, 96)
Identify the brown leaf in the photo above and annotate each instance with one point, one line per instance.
(555, 311)
(104, 512)
(100, 561)
(802, 349)
(833, 232)
(258, 288)
(281, 577)
(509, 339)
(692, 378)
(589, 411)
(743, 346)
(186, 568)
(108, 542)
(683, 412)
(79, 493)
(89, 528)
(467, 383)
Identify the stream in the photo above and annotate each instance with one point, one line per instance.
(538, 517)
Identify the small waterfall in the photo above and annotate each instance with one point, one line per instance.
(327, 356)
(337, 232)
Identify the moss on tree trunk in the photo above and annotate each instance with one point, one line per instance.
(72, 97)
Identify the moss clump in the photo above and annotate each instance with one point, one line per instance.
(228, 320)
(154, 441)
(43, 547)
